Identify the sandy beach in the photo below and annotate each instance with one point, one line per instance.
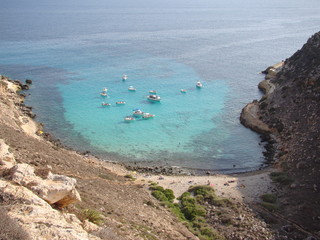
(243, 187)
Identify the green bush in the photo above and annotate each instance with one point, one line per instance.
(156, 188)
(190, 208)
(93, 216)
(160, 196)
(129, 176)
(169, 194)
(270, 198)
(204, 190)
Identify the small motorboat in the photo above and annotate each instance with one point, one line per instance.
(124, 77)
(148, 116)
(121, 103)
(199, 84)
(103, 94)
(131, 88)
(104, 104)
(183, 90)
(137, 113)
(105, 90)
(154, 98)
(153, 92)
(129, 119)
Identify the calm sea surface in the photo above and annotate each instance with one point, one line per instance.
(73, 49)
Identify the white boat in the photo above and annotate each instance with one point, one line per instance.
(124, 77)
(104, 104)
(131, 88)
(103, 94)
(105, 90)
(137, 113)
(199, 84)
(129, 119)
(153, 92)
(183, 90)
(154, 98)
(121, 103)
(148, 116)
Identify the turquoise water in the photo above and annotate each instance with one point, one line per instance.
(180, 118)
(73, 49)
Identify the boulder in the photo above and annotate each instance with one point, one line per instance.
(55, 189)
(37, 217)
(28, 81)
(25, 87)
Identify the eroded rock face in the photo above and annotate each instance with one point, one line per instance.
(55, 189)
(37, 217)
(7, 159)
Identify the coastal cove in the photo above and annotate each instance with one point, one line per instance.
(172, 48)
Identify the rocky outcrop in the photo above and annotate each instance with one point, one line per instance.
(26, 199)
(7, 159)
(37, 217)
(291, 107)
(250, 118)
(55, 189)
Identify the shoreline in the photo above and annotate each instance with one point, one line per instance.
(120, 194)
(245, 186)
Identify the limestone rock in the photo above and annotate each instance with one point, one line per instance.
(37, 217)
(7, 159)
(90, 227)
(56, 189)
(250, 118)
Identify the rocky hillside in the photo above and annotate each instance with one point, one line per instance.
(35, 201)
(290, 110)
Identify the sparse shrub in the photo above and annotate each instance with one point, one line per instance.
(281, 177)
(270, 206)
(154, 187)
(130, 177)
(107, 177)
(93, 216)
(270, 198)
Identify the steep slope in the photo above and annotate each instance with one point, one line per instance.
(291, 109)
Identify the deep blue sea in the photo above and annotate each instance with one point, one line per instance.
(73, 49)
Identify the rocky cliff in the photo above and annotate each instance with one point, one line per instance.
(291, 110)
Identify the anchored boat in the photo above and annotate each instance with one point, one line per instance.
(137, 113)
(154, 98)
(148, 116)
(104, 104)
(129, 119)
(131, 88)
(199, 84)
(121, 103)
